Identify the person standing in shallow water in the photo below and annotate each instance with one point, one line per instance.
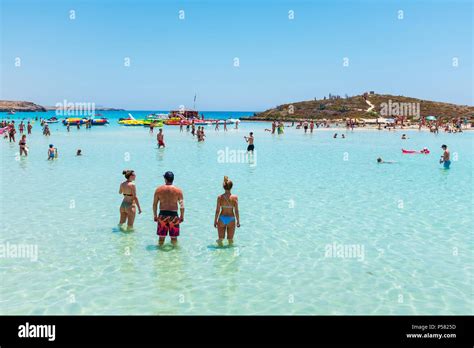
(250, 140)
(160, 138)
(11, 133)
(227, 214)
(446, 157)
(52, 152)
(129, 192)
(23, 148)
(168, 197)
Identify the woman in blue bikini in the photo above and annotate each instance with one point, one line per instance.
(227, 214)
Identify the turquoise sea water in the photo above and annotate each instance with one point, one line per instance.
(115, 115)
(301, 198)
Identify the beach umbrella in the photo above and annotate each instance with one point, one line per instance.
(431, 118)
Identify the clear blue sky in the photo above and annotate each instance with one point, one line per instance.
(281, 60)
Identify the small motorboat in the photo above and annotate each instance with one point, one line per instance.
(156, 119)
(52, 120)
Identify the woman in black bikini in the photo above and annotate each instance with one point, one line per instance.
(22, 143)
(127, 208)
(227, 214)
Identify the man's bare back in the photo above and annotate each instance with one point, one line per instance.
(168, 197)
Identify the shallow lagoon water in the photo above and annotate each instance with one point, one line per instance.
(301, 195)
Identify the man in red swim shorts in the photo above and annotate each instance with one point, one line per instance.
(168, 196)
(160, 138)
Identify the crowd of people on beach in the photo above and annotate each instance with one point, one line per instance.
(168, 198)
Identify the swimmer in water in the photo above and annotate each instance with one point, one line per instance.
(52, 152)
(335, 135)
(404, 136)
(129, 192)
(79, 152)
(381, 161)
(227, 214)
(425, 151)
(46, 130)
(446, 157)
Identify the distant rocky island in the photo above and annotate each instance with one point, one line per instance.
(367, 105)
(24, 106)
(20, 106)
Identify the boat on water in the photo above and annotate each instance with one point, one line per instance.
(130, 121)
(73, 121)
(99, 121)
(188, 117)
(11, 112)
(183, 116)
(174, 118)
(156, 119)
(198, 122)
(52, 120)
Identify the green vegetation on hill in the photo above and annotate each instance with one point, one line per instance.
(336, 107)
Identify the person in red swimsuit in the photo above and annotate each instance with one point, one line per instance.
(160, 137)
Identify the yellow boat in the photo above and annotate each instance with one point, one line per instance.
(156, 123)
(131, 122)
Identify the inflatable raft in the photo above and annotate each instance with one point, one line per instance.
(425, 151)
(99, 121)
(73, 121)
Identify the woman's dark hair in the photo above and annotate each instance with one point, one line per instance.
(128, 173)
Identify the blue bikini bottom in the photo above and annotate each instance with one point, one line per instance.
(226, 219)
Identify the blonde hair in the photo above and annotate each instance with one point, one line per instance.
(227, 183)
